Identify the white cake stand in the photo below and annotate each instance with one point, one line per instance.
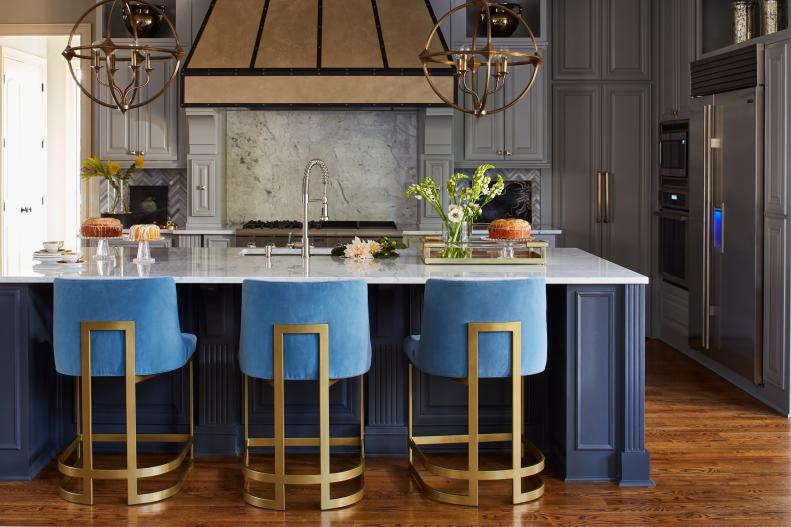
(102, 247)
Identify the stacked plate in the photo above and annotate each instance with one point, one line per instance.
(63, 257)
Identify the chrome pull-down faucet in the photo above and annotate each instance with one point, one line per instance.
(325, 211)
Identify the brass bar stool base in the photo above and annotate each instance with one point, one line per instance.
(519, 443)
(71, 472)
(280, 478)
(82, 468)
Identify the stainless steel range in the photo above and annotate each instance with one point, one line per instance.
(322, 233)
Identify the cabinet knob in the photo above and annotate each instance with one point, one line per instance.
(202, 188)
(508, 153)
(499, 152)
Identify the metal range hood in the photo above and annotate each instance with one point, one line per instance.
(307, 53)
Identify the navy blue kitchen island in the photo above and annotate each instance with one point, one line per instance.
(586, 412)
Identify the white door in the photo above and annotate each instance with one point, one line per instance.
(24, 157)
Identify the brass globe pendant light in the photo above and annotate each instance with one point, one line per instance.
(106, 56)
(482, 68)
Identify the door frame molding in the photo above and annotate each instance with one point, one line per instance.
(89, 190)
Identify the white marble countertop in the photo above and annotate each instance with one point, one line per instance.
(227, 266)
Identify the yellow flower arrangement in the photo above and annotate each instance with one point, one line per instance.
(116, 177)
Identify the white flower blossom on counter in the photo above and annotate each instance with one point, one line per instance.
(359, 250)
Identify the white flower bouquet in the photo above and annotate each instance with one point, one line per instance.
(466, 200)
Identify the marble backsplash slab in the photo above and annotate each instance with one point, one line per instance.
(371, 155)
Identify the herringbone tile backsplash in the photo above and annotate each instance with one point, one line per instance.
(176, 180)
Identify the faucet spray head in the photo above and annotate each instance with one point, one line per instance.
(325, 211)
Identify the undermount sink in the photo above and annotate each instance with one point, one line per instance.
(285, 251)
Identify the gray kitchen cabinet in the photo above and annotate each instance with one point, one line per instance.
(576, 159)
(521, 133)
(677, 50)
(602, 39)
(777, 170)
(218, 241)
(626, 160)
(152, 130)
(601, 169)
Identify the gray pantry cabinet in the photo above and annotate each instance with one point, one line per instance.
(678, 49)
(601, 39)
(601, 169)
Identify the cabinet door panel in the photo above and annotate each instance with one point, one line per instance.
(687, 54)
(775, 302)
(159, 119)
(626, 157)
(117, 131)
(777, 164)
(526, 126)
(627, 40)
(577, 39)
(668, 55)
(202, 182)
(577, 157)
(483, 136)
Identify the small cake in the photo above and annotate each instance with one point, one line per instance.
(510, 229)
(102, 228)
(144, 233)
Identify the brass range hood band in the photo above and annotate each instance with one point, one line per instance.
(122, 98)
(280, 61)
(480, 57)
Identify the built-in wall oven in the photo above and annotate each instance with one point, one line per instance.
(673, 203)
(673, 155)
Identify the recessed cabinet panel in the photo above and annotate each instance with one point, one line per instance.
(159, 119)
(775, 302)
(202, 183)
(483, 136)
(117, 131)
(439, 171)
(577, 158)
(778, 167)
(526, 125)
(626, 161)
(677, 51)
(577, 39)
(627, 42)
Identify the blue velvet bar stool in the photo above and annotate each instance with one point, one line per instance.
(119, 328)
(293, 331)
(473, 330)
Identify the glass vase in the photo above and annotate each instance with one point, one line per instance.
(117, 195)
(456, 237)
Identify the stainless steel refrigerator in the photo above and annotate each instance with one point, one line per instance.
(725, 240)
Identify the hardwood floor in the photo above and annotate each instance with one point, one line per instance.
(718, 458)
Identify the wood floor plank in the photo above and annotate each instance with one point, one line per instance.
(718, 458)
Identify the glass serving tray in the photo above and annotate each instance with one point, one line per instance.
(487, 252)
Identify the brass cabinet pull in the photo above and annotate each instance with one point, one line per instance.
(499, 152)
(508, 153)
(202, 188)
(606, 197)
(598, 196)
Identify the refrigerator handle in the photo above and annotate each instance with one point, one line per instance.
(598, 196)
(606, 197)
(707, 215)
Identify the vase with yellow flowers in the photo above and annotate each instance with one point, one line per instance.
(117, 180)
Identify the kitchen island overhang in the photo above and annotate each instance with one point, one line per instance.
(586, 411)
